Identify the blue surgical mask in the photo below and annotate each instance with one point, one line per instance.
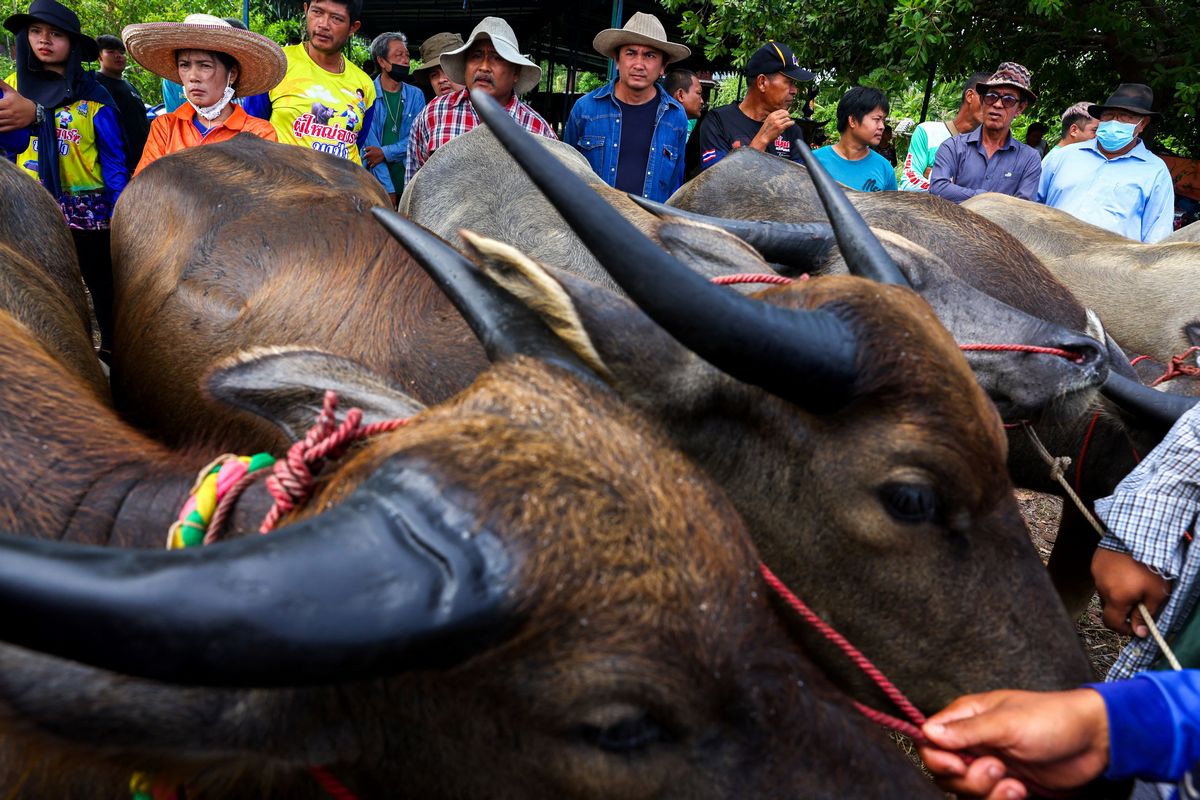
(1114, 135)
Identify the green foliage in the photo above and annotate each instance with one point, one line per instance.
(1076, 49)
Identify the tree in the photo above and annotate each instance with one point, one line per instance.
(1076, 49)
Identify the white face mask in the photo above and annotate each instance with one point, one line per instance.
(212, 112)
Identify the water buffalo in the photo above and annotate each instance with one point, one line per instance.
(763, 451)
(1146, 294)
(449, 196)
(525, 592)
(1188, 233)
(1103, 437)
(39, 276)
(272, 247)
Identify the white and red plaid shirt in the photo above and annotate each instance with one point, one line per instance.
(453, 115)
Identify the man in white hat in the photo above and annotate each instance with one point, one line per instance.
(630, 130)
(491, 62)
(1112, 180)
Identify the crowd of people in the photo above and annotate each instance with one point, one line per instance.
(644, 132)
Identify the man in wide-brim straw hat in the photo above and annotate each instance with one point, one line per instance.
(630, 130)
(431, 71)
(1113, 181)
(491, 62)
(212, 61)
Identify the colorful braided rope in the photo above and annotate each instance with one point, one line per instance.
(213, 483)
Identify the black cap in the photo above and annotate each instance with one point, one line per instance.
(61, 17)
(776, 57)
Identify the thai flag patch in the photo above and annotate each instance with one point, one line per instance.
(709, 156)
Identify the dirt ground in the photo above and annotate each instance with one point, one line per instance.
(1041, 514)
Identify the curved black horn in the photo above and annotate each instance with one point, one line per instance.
(861, 249)
(385, 582)
(1146, 402)
(806, 357)
(799, 246)
(504, 325)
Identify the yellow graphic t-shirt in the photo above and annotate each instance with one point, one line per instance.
(321, 110)
(78, 157)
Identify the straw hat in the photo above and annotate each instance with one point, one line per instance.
(261, 62)
(436, 46)
(644, 29)
(504, 40)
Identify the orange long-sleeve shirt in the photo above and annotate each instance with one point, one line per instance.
(175, 131)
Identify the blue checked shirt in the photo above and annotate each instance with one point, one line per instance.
(1151, 516)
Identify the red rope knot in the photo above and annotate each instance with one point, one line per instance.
(293, 478)
(1023, 348)
(1177, 368)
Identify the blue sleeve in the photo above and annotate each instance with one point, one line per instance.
(941, 180)
(1159, 216)
(1049, 165)
(677, 174)
(172, 94)
(368, 118)
(258, 105)
(571, 129)
(1153, 725)
(1028, 188)
(110, 144)
(13, 143)
(380, 171)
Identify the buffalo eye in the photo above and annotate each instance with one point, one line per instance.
(625, 735)
(910, 503)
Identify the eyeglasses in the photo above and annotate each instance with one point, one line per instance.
(1009, 100)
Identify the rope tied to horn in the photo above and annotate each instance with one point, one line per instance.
(291, 481)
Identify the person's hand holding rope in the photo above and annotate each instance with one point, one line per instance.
(1049, 742)
(1123, 583)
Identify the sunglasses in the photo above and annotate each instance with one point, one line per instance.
(1008, 100)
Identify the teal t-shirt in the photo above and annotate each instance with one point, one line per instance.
(870, 174)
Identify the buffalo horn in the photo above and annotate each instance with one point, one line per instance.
(861, 248)
(504, 325)
(798, 246)
(384, 582)
(1146, 402)
(806, 357)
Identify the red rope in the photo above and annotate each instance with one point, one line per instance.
(1176, 368)
(913, 729)
(332, 786)
(1022, 348)
(1087, 439)
(753, 277)
(294, 477)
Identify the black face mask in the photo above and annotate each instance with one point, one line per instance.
(397, 73)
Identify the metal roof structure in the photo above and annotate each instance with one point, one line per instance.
(559, 32)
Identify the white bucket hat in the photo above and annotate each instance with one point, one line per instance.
(454, 63)
(261, 62)
(644, 29)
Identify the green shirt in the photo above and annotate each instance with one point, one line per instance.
(394, 105)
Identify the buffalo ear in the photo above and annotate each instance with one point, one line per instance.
(1191, 332)
(710, 251)
(286, 386)
(537, 289)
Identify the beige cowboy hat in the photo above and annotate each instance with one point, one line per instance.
(436, 46)
(640, 29)
(261, 62)
(504, 40)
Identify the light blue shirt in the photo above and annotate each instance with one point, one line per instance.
(873, 173)
(1131, 195)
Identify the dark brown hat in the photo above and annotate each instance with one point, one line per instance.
(61, 17)
(1135, 97)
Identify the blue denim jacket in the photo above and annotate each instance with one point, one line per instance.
(594, 129)
(414, 103)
